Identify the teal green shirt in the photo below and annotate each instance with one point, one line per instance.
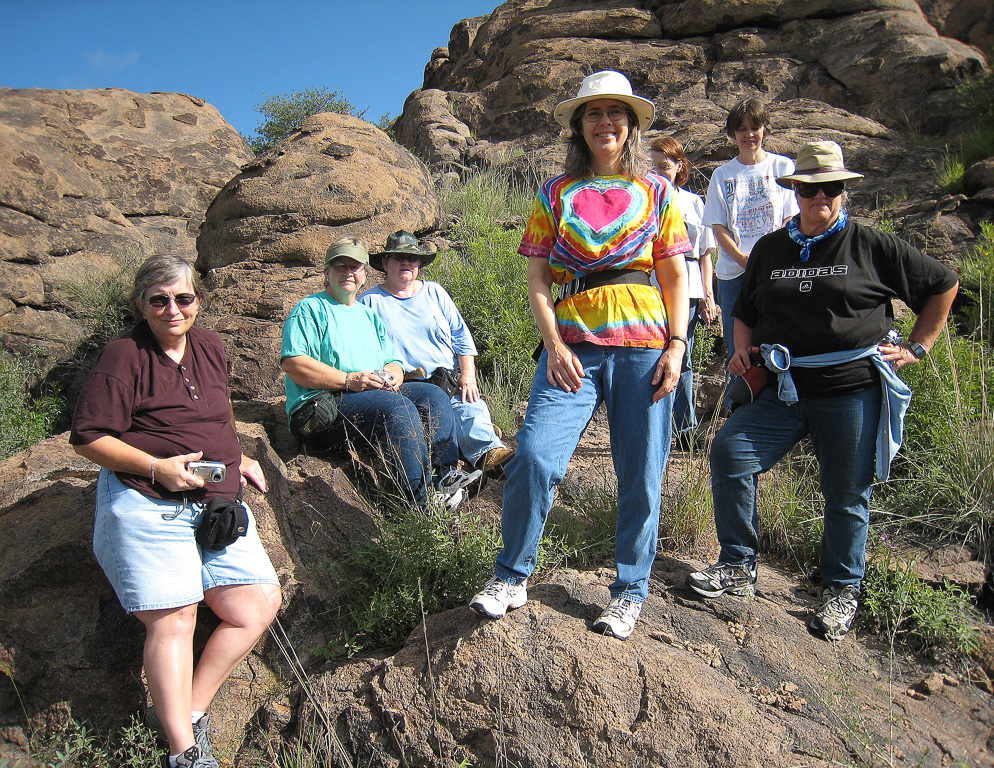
(347, 338)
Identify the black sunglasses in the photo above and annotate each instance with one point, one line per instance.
(161, 300)
(808, 189)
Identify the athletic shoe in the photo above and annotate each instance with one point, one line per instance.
(618, 619)
(201, 732)
(498, 597)
(724, 577)
(495, 459)
(453, 489)
(837, 612)
(192, 758)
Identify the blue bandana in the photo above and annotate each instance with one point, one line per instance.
(806, 242)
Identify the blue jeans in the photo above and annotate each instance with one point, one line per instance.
(756, 436)
(474, 428)
(683, 399)
(621, 377)
(728, 293)
(415, 427)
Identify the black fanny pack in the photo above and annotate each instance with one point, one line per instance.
(222, 523)
(446, 379)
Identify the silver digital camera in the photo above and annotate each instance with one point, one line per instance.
(211, 471)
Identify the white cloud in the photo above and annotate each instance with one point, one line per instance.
(102, 61)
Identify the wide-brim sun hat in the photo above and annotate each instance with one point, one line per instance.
(402, 243)
(346, 250)
(606, 85)
(819, 161)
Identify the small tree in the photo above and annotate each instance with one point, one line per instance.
(286, 111)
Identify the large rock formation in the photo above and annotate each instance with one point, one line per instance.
(93, 183)
(336, 176)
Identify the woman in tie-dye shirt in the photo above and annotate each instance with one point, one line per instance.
(596, 232)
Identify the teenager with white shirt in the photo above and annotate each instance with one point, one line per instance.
(744, 202)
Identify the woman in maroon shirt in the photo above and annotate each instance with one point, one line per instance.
(157, 400)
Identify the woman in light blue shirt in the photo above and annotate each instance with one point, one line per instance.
(429, 333)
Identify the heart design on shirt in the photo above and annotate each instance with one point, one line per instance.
(599, 209)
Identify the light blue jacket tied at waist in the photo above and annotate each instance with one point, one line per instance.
(893, 404)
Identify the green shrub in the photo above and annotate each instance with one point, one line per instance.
(24, 419)
(420, 565)
(977, 285)
(943, 478)
(896, 601)
(486, 277)
(74, 746)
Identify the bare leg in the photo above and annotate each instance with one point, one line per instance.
(169, 670)
(246, 611)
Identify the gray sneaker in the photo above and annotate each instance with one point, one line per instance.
(201, 732)
(192, 758)
(724, 577)
(838, 609)
(454, 488)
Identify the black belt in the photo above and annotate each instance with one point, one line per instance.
(596, 280)
(599, 279)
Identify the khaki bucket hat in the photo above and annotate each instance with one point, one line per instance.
(819, 161)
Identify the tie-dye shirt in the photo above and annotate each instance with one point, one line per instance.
(607, 222)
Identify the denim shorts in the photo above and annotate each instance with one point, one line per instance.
(148, 550)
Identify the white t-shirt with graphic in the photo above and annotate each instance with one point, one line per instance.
(747, 201)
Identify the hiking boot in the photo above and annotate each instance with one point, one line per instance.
(618, 619)
(837, 611)
(724, 577)
(192, 758)
(498, 596)
(494, 461)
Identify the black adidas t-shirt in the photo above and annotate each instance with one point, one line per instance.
(840, 299)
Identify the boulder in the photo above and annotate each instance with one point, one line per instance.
(95, 181)
(336, 176)
(729, 682)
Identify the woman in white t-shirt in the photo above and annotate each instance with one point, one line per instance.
(669, 160)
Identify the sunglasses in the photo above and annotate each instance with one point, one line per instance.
(614, 114)
(809, 189)
(161, 300)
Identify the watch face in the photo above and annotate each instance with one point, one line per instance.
(918, 350)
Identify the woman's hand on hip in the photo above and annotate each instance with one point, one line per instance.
(563, 368)
(898, 355)
(172, 473)
(668, 371)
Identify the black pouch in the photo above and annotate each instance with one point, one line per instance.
(315, 416)
(446, 379)
(222, 523)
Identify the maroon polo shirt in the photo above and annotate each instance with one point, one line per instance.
(139, 395)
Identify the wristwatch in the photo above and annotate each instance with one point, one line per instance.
(918, 350)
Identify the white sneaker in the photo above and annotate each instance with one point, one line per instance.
(618, 619)
(498, 596)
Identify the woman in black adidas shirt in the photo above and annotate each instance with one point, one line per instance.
(821, 288)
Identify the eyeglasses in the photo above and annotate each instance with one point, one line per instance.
(614, 114)
(808, 189)
(161, 300)
(341, 266)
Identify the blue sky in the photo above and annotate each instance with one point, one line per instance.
(233, 54)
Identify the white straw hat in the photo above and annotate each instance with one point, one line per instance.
(606, 85)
